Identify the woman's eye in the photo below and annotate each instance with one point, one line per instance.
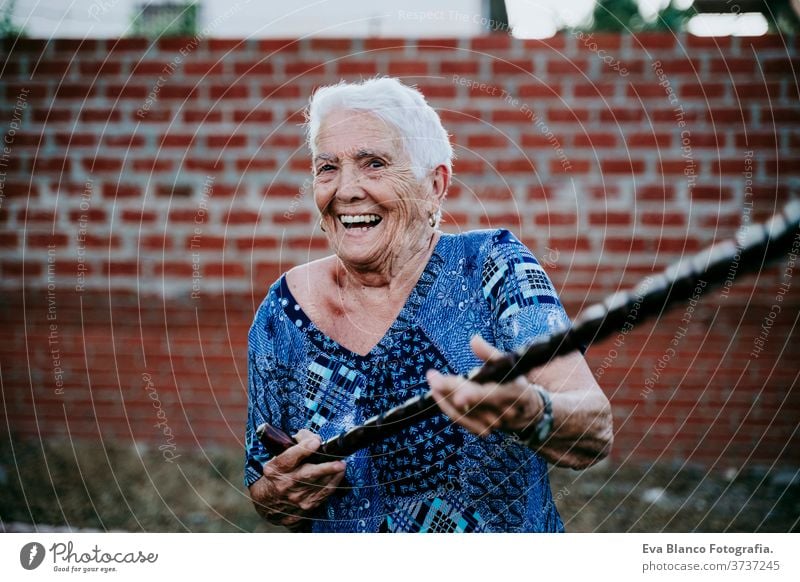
(325, 168)
(376, 164)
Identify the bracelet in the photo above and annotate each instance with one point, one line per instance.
(534, 435)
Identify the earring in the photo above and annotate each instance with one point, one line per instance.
(322, 226)
(432, 220)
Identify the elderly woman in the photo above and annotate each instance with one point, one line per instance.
(398, 308)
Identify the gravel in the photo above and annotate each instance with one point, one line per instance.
(83, 487)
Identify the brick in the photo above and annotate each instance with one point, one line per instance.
(485, 141)
(302, 216)
(711, 193)
(138, 216)
(609, 218)
(548, 90)
(43, 241)
(510, 116)
(663, 219)
(123, 141)
(491, 43)
(280, 91)
(447, 67)
(515, 166)
(384, 44)
(733, 115)
(115, 190)
(512, 221)
(226, 141)
(101, 164)
(177, 140)
(100, 68)
(121, 268)
(235, 217)
(256, 165)
(204, 68)
(759, 44)
(257, 243)
(281, 190)
(552, 44)
(59, 166)
(331, 44)
(20, 268)
(271, 46)
(204, 165)
(202, 116)
(512, 67)
(365, 68)
(649, 140)
(595, 140)
(493, 193)
(104, 116)
(174, 190)
(762, 90)
(659, 41)
(620, 115)
(253, 116)
(556, 219)
(732, 65)
(152, 165)
(571, 166)
(115, 91)
(237, 91)
(74, 91)
(622, 166)
(570, 244)
(226, 45)
(399, 68)
(568, 66)
(436, 44)
(9, 240)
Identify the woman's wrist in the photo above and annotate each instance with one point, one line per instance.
(540, 427)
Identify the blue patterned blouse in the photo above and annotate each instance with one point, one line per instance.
(434, 476)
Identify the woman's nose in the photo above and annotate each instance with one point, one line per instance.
(349, 187)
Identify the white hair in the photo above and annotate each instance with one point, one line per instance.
(404, 108)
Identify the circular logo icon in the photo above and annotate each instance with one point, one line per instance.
(31, 555)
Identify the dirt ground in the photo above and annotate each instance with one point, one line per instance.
(46, 487)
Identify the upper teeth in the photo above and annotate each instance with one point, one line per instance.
(350, 218)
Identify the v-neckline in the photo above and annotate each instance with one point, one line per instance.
(301, 320)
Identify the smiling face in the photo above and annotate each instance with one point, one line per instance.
(372, 206)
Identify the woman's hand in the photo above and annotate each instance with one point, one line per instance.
(582, 424)
(481, 408)
(290, 490)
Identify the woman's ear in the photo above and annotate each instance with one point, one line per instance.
(441, 181)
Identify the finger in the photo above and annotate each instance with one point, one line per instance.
(483, 349)
(461, 394)
(291, 458)
(309, 473)
(471, 424)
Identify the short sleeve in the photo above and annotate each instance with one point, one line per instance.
(261, 404)
(523, 302)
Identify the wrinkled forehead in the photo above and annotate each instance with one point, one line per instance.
(349, 134)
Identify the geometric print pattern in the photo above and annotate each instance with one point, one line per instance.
(513, 279)
(433, 516)
(330, 390)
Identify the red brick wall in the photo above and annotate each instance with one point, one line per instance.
(150, 193)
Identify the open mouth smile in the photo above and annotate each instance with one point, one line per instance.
(362, 221)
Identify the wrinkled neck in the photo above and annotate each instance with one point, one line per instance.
(397, 270)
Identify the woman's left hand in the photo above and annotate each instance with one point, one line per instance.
(582, 429)
(481, 408)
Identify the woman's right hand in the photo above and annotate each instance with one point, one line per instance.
(290, 490)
